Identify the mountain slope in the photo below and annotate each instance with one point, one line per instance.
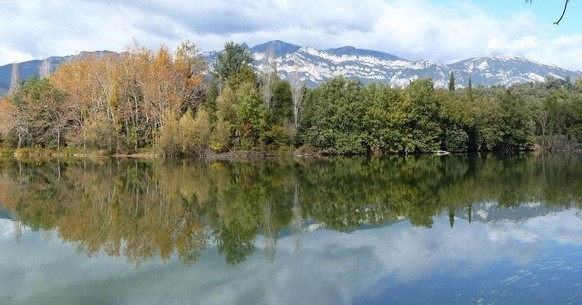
(317, 66)
(31, 68)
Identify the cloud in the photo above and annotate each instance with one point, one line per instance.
(439, 31)
(331, 268)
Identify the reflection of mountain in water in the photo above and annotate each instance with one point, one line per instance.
(490, 212)
(144, 209)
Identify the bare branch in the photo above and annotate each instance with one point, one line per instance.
(268, 76)
(44, 71)
(563, 13)
(14, 80)
(296, 88)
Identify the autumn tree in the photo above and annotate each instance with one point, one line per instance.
(91, 101)
(124, 102)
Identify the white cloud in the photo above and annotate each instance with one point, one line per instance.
(331, 268)
(433, 30)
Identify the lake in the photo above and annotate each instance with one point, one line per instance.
(458, 229)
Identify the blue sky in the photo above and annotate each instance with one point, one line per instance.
(439, 31)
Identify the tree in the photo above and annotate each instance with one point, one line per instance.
(296, 90)
(470, 89)
(14, 80)
(420, 111)
(333, 116)
(233, 63)
(41, 115)
(456, 120)
(516, 124)
(194, 132)
(381, 120)
(268, 77)
(251, 117)
(452, 82)
(92, 101)
(282, 112)
(44, 70)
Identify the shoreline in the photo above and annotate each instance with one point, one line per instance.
(239, 155)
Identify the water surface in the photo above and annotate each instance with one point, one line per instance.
(424, 230)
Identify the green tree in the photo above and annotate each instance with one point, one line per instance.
(456, 120)
(383, 132)
(332, 117)
(251, 117)
(470, 90)
(233, 64)
(516, 123)
(420, 112)
(41, 115)
(282, 103)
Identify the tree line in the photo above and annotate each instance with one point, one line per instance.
(164, 208)
(173, 103)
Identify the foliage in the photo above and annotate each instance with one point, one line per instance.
(163, 100)
(233, 63)
(146, 209)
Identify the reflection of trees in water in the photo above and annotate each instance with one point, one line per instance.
(142, 209)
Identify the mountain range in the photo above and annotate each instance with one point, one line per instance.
(317, 66)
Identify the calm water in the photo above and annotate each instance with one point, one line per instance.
(449, 230)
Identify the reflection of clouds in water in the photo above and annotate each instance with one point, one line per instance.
(6, 230)
(331, 268)
(563, 227)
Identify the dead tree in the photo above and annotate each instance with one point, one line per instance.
(268, 77)
(296, 89)
(44, 70)
(14, 80)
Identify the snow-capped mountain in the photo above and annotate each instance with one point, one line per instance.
(317, 66)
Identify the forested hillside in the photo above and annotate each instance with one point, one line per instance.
(170, 102)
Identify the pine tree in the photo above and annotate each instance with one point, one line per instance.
(452, 82)
(470, 89)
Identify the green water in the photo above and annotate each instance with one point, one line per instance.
(477, 229)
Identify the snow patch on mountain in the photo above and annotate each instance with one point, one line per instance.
(317, 66)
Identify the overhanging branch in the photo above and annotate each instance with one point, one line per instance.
(563, 12)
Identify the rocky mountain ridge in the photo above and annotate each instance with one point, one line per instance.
(317, 66)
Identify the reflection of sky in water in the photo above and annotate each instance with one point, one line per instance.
(538, 261)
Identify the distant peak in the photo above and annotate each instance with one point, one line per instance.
(344, 48)
(280, 48)
(349, 50)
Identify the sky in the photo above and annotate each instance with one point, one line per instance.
(330, 268)
(442, 31)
